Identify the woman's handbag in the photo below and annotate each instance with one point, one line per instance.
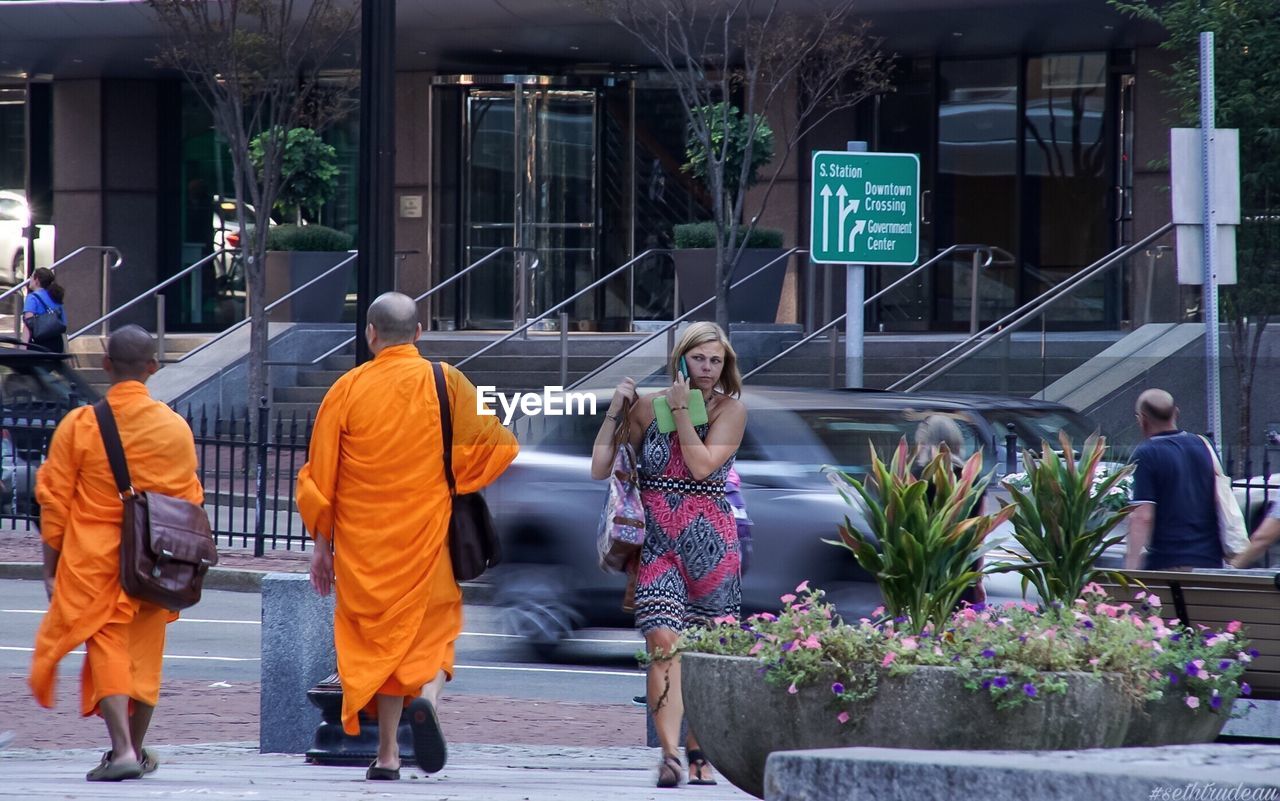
(622, 522)
(166, 546)
(47, 325)
(473, 540)
(1231, 526)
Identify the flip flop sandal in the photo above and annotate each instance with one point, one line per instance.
(697, 764)
(150, 762)
(114, 772)
(428, 741)
(669, 771)
(375, 773)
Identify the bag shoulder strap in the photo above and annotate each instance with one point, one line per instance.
(446, 424)
(1213, 456)
(115, 448)
(43, 302)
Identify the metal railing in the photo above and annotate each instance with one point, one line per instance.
(977, 266)
(107, 252)
(107, 315)
(1004, 327)
(669, 328)
(272, 306)
(446, 282)
(562, 304)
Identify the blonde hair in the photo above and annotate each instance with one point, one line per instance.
(700, 334)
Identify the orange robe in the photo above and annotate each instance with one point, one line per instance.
(375, 482)
(80, 515)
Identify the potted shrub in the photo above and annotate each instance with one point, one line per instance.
(923, 674)
(695, 243)
(295, 255)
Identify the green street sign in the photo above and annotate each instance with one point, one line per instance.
(864, 208)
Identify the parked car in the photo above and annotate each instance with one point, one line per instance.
(228, 269)
(37, 389)
(547, 507)
(15, 216)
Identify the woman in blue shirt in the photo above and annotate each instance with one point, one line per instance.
(45, 297)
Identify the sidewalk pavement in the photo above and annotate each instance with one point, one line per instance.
(237, 770)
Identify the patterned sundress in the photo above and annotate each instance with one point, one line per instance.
(689, 564)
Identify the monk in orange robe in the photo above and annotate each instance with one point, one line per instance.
(80, 518)
(374, 495)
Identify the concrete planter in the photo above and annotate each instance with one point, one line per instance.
(756, 301)
(740, 720)
(322, 302)
(1169, 721)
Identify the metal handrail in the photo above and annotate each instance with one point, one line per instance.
(990, 250)
(537, 261)
(671, 325)
(1011, 322)
(152, 291)
(272, 306)
(562, 304)
(104, 249)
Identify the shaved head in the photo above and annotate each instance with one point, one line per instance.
(1157, 405)
(394, 316)
(132, 353)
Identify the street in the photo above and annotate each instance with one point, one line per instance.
(218, 640)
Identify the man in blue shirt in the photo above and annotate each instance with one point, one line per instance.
(1176, 519)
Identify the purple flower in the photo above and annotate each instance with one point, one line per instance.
(979, 607)
(1001, 682)
(789, 646)
(986, 684)
(1191, 669)
(837, 688)
(1022, 638)
(1175, 637)
(1225, 664)
(1253, 652)
(1215, 702)
(988, 654)
(1245, 689)
(1173, 678)
(1030, 690)
(1088, 624)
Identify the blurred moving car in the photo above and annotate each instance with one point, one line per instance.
(37, 389)
(15, 216)
(547, 508)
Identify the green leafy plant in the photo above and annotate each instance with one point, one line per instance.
(308, 170)
(1064, 516)
(307, 238)
(726, 121)
(926, 540)
(703, 235)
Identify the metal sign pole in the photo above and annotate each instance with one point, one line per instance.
(855, 292)
(1209, 303)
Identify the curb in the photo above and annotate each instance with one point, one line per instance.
(235, 579)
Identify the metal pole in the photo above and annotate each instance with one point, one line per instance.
(973, 292)
(564, 349)
(375, 268)
(834, 338)
(809, 267)
(855, 292)
(1213, 391)
(160, 327)
(106, 293)
(260, 481)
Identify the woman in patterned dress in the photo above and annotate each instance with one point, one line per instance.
(690, 565)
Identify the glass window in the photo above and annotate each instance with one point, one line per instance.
(1034, 426)
(850, 434)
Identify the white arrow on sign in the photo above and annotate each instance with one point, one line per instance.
(858, 227)
(826, 218)
(847, 207)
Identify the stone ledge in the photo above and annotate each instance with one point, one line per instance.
(1168, 773)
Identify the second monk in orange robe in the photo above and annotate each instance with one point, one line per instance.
(374, 495)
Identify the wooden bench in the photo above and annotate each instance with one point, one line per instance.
(1214, 598)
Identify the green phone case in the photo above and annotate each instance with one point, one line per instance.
(667, 421)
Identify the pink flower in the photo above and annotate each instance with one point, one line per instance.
(755, 649)
(1193, 702)
(877, 612)
(1243, 657)
(1233, 626)
(1154, 601)
(811, 642)
(843, 717)
(788, 598)
(888, 659)
(792, 689)
(1093, 661)
(804, 585)
(910, 643)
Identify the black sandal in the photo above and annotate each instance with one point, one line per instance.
(377, 774)
(697, 764)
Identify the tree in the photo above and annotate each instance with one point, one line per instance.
(258, 66)
(308, 172)
(737, 64)
(1247, 83)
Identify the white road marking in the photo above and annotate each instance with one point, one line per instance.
(166, 656)
(631, 674)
